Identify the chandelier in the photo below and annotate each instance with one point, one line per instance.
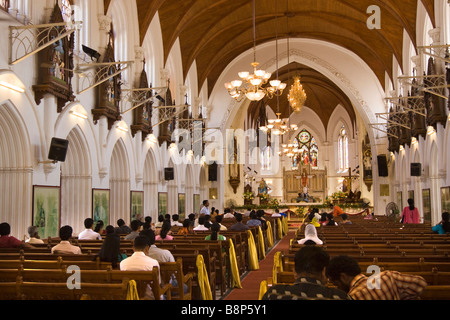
(297, 96)
(253, 86)
(276, 126)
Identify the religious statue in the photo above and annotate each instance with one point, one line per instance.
(263, 188)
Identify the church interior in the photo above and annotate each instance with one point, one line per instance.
(125, 109)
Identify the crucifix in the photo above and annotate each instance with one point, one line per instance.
(349, 180)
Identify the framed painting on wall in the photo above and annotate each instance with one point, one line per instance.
(162, 203)
(196, 203)
(426, 197)
(182, 206)
(100, 205)
(445, 199)
(47, 210)
(137, 205)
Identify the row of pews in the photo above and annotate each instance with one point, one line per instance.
(30, 274)
(411, 249)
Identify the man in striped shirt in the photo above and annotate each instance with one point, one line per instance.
(345, 273)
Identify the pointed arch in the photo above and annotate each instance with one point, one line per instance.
(119, 183)
(76, 182)
(151, 179)
(16, 172)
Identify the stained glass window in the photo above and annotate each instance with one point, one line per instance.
(266, 157)
(343, 150)
(308, 150)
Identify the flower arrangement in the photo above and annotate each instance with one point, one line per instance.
(264, 197)
(249, 196)
(339, 196)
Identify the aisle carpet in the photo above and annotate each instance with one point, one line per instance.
(251, 283)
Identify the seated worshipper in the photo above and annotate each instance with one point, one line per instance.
(165, 233)
(312, 219)
(310, 266)
(201, 224)
(260, 216)
(337, 211)
(219, 219)
(191, 218)
(208, 222)
(228, 214)
(160, 255)
(311, 234)
(345, 273)
(253, 222)
(330, 221)
(64, 247)
(89, 233)
(175, 222)
(276, 214)
(110, 250)
(239, 226)
(444, 226)
(33, 232)
(123, 228)
(99, 227)
(345, 219)
(323, 219)
(135, 229)
(186, 229)
(160, 222)
(9, 242)
(215, 229)
(139, 261)
(148, 221)
(410, 214)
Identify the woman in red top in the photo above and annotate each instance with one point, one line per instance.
(410, 214)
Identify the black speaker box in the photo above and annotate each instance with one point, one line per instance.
(382, 166)
(58, 150)
(169, 174)
(416, 169)
(212, 172)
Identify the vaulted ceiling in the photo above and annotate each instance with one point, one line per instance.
(323, 95)
(214, 32)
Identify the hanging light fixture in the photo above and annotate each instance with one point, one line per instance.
(251, 86)
(297, 96)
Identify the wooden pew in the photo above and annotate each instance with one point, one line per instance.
(174, 270)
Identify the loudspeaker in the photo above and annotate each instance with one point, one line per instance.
(212, 172)
(58, 150)
(416, 169)
(169, 174)
(382, 166)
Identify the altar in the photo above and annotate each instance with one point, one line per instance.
(296, 182)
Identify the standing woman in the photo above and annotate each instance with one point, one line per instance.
(410, 214)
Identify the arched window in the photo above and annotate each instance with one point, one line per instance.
(343, 150)
(308, 150)
(266, 159)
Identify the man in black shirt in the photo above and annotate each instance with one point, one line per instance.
(310, 266)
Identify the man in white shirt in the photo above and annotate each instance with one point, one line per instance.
(205, 209)
(89, 233)
(175, 221)
(34, 236)
(64, 247)
(140, 261)
(201, 224)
